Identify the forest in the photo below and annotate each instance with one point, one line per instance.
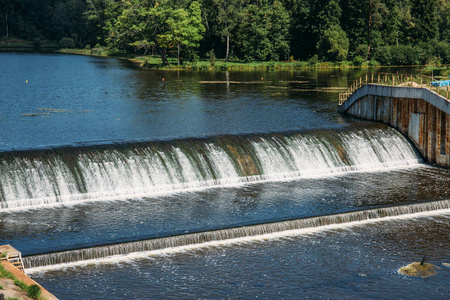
(387, 32)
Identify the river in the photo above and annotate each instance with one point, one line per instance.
(215, 170)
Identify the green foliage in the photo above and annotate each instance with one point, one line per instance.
(36, 42)
(67, 43)
(313, 61)
(34, 291)
(1, 287)
(266, 31)
(334, 44)
(358, 61)
(4, 254)
(260, 30)
(424, 14)
(6, 274)
(362, 51)
(20, 284)
(117, 52)
(212, 57)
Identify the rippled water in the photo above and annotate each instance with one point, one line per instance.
(49, 100)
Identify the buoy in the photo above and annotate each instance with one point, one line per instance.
(26, 81)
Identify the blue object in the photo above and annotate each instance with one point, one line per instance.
(441, 83)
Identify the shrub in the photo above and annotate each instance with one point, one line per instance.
(88, 47)
(270, 64)
(20, 284)
(66, 43)
(383, 55)
(334, 44)
(358, 60)
(405, 55)
(212, 57)
(34, 291)
(363, 51)
(117, 52)
(443, 51)
(313, 61)
(37, 42)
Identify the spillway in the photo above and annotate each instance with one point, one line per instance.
(102, 172)
(261, 231)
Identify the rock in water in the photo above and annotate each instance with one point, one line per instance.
(418, 270)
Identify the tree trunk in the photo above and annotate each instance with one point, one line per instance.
(178, 54)
(7, 33)
(227, 55)
(163, 56)
(370, 31)
(162, 52)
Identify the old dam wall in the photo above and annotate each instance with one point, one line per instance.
(410, 104)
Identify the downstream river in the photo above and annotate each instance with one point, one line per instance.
(118, 182)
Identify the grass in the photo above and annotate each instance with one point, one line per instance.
(155, 62)
(33, 291)
(222, 65)
(15, 44)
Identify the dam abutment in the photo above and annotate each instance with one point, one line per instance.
(419, 112)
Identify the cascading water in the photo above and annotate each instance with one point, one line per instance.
(61, 175)
(233, 235)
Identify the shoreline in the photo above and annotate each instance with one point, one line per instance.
(146, 62)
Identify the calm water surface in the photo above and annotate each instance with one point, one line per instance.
(49, 100)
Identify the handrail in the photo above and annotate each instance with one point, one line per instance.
(392, 79)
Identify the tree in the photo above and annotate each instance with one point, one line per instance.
(228, 17)
(362, 21)
(184, 29)
(424, 14)
(266, 31)
(334, 44)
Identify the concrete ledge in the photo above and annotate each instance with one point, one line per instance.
(397, 92)
(27, 280)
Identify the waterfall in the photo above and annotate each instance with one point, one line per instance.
(71, 174)
(236, 234)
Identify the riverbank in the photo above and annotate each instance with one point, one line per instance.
(14, 284)
(151, 62)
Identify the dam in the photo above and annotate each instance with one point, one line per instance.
(412, 104)
(125, 186)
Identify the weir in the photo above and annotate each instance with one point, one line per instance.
(71, 174)
(409, 103)
(83, 255)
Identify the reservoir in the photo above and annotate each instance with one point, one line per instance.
(246, 184)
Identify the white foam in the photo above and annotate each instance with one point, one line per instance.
(228, 242)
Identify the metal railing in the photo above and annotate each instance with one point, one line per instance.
(391, 79)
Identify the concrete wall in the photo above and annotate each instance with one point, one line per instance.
(418, 113)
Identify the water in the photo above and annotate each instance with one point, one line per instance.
(96, 151)
(357, 262)
(232, 235)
